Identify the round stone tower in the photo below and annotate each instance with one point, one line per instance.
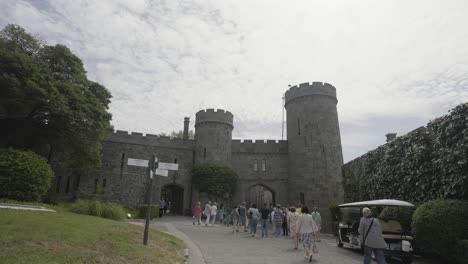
(213, 135)
(314, 146)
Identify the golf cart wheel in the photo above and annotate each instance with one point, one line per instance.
(406, 260)
(338, 241)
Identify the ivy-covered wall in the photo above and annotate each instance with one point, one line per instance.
(425, 164)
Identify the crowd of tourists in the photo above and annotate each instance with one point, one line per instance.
(295, 222)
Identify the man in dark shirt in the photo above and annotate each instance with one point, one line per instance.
(265, 216)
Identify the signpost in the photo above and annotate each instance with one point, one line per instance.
(154, 167)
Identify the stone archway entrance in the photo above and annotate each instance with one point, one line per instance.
(260, 194)
(174, 196)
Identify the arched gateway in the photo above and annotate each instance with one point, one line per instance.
(174, 196)
(260, 194)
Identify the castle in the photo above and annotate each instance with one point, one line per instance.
(304, 169)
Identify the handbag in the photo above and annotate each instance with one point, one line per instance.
(315, 249)
(364, 242)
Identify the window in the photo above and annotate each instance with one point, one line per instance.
(263, 165)
(67, 188)
(175, 160)
(301, 197)
(104, 182)
(122, 162)
(255, 165)
(298, 127)
(77, 183)
(96, 182)
(57, 187)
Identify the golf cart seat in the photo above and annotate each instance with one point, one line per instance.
(392, 230)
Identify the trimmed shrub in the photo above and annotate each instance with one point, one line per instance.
(97, 208)
(405, 216)
(462, 252)
(142, 211)
(24, 175)
(439, 225)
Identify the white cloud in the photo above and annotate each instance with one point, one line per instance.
(163, 60)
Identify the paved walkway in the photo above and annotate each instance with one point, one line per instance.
(25, 207)
(218, 245)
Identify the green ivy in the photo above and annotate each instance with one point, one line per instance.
(425, 164)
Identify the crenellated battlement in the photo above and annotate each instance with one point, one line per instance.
(259, 146)
(212, 115)
(310, 89)
(149, 139)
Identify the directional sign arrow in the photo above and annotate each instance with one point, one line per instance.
(168, 166)
(138, 162)
(162, 172)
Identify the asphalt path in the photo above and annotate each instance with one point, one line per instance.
(219, 245)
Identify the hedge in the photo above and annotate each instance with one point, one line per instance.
(97, 208)
(24, 175)
(439, 226)
(142, 211)
(425, 164)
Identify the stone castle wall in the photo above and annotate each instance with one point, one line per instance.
(274, 175)
(307, 165)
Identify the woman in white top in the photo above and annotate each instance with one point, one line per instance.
(214, 212)
(293, 216)
(306, 228)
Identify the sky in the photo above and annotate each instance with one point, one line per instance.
(395, 64)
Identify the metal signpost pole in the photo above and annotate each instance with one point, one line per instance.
(152, 166)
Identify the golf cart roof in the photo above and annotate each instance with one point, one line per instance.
(384, 202)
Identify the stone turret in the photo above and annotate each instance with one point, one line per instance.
(314, 147)
(213, 134)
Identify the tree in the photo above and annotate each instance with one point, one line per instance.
(47, 103)
(179, 134)
(215, 179)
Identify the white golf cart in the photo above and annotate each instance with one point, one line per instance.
(398, 244)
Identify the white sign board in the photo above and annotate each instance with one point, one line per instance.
(162, 172)
(168, 166)
(138, 162)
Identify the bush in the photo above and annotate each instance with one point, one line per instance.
(97, 208)
(24, 175)
(439, 225)
(51, 197)
(142, 211)
(462, 252)
(405, 217)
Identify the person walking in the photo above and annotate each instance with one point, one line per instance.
(253, 216)
(235, 219)
(278, 220)
(284, 225)
(214, 211)
(299, 209)
(273, 229)
(221, 213)
(197, 211)
(318, 221)
(306, 228)
(162, 205)
(207, 213)
(264, 221)
(370, 234)
(242, 216)
(292, 221)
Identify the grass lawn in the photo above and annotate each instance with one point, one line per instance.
(63, 237)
